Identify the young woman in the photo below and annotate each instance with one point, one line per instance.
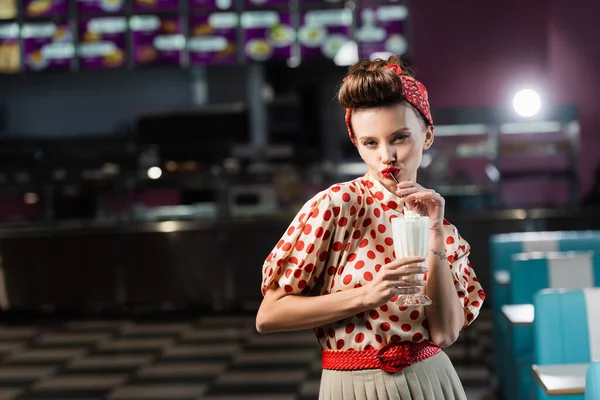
(335, 271)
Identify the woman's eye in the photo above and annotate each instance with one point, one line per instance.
(400, 138)
(369, 143)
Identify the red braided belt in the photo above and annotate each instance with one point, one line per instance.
(390, 358)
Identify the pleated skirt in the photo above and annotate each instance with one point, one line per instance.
(432, 379)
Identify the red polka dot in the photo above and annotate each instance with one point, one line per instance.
(309, 268)
(379, 195)
(380, 248)
(340, 344)
(384, 207)
(340, 270)
(337, 246)
(327, 215)
(297, 273)
(347, 279)
(373, 234)
(389, 241)
(374, 314)
(290, 230)
(359, 265)
(403, 308)
(370, 201)
(385, 326)
(270, 272)
(377, 212)
(368, 276)
(356, 235)
(364, 243)
(387, 260)
(343, 221)
(367, 222)
(371, 254)
(395, 338)
(280, 243)
(392, 204)
(346, 197)
(394, 318)
(310, 248)
(326, 235)
(349, 328)
(288, 288)
(302, 284)
(319, 232)
(288, 272)
(300, 245)
(331, 333)
(352, 257)
(347, 248)
(369, 347)
(331, 271)
(336, 189)
(328, 344)
(470, 289)
(359, 338)
(352, 210)
(415, 314)
(377, 267)
(449, 240)
(287, 246)
(368, 325)
(379, 338)
(470, 317)
(417, 336)
(381, 228)
(406, 327)
(384, 307)
(336, 211)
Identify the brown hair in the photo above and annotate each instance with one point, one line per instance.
(370, 84)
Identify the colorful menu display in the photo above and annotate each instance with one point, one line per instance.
(10, 58)
(157, 40)
(323, 33)
(102, 43)
(100, 6)
(155, 5)
(268, 35)
(44, 8)
(381, 29)
(213, 38)
(47, 46)
(213, 4)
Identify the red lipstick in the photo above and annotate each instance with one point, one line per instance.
(390, 172)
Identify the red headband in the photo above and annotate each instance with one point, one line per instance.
(412, 90)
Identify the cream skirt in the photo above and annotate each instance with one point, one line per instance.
(432, 379)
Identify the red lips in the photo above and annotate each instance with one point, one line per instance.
(388, 172)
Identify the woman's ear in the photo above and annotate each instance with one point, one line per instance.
(428, 138)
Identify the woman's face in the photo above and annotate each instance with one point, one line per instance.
(391, 140)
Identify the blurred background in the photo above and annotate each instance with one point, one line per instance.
(152, 152)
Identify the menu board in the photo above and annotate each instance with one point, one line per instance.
(213, 38)
(323, 33)
(213, 4)
(102, 43)
(265, 3)
(10, 59)
(381, 29)
(47, 46)
(43, 8)
(157, 40)
(268, 35)
(155, 5)
(100, 6)
(8, 9)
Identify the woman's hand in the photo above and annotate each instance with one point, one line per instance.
(426, 202)
(390, 282)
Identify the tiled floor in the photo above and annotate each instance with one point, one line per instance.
(212, 358)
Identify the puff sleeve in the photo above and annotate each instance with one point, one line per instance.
(299, 258)
(467, 285)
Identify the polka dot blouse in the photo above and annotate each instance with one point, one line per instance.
(338, 241)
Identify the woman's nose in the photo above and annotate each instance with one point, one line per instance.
(387, 154)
